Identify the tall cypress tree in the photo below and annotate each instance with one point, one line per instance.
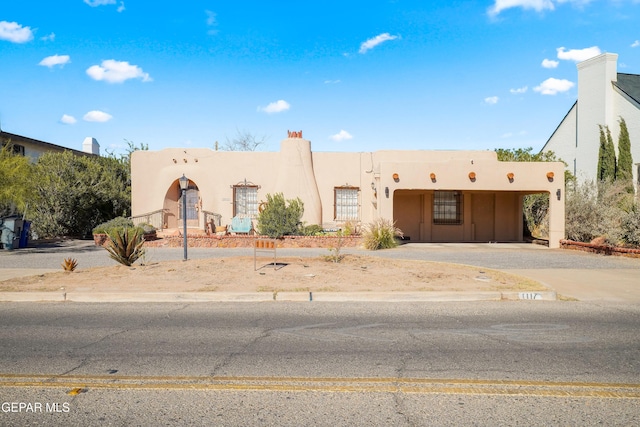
(603, 148)
(609, 159)
(624, 171)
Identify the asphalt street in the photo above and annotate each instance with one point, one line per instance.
(475, 363)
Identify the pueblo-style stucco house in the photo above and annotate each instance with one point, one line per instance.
(433, 196)
(604, 96)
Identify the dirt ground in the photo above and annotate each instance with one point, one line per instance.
(294, 274)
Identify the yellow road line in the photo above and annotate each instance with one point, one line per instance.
(336, 385)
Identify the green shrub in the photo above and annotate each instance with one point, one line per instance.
(311, 230)
(115, 223)
(280, 217)
(125, 245)
(631, 227)
(380, 234)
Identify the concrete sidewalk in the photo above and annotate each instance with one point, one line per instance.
(622, 285)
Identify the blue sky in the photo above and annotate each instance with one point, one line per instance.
(352, 75)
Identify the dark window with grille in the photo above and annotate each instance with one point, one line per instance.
(15, 148)
(346, 203)
(245, 200)
(447, 207)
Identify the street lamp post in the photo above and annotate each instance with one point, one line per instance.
(184, 184)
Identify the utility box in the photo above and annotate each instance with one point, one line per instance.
(11, 230)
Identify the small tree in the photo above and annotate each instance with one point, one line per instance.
(280, 217)
(243, 141)
(624, 172)
(601, 151)
(15, 176)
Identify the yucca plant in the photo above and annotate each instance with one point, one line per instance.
(380, 234)
(125, 245)
(69, 264)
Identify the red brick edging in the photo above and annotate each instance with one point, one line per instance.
(212, 241)
(599, 249)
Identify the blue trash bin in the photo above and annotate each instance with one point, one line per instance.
(24, 234)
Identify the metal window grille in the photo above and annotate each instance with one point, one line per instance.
(447, 207)
(245, 200)
(346, 204)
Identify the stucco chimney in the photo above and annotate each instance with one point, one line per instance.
(90, 145)
(296, 176)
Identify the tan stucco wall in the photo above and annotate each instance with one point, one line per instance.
(297, 172)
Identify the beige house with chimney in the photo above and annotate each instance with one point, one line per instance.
(433, 196)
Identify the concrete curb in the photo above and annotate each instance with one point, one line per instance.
(266, 296)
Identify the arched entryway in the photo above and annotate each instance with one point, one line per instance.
(173, 206)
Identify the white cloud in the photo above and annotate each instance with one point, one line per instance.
(343, 135)
(14, 32)
(578, 55)
(553, 86)
(635, 43)
(113, 71)
(51, 61)
(537, 5)
(51, 37)
(97, 116)
(519, 90)
(491, 100)
(332, 82)
(67, 119)
(275, 107)
(96, 3)
(375, 41)
(211, 17)
(549, 63)
(121, 8)
(211, 22)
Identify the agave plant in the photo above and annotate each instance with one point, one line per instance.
(69, 264)
(125, 245)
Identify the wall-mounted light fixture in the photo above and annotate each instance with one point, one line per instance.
(396, 177)
(558, 194)
(510, 176)
(432, 176)
(550, 176)
(386, 192)
(472, 176)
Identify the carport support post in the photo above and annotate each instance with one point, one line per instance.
(184, 183)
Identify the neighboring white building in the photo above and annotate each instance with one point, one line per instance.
(34, 148)
(604, 96)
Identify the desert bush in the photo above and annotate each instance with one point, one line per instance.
(599, 210)
(115, 223)
(125, 245)
(630, 232)
(380, 234)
